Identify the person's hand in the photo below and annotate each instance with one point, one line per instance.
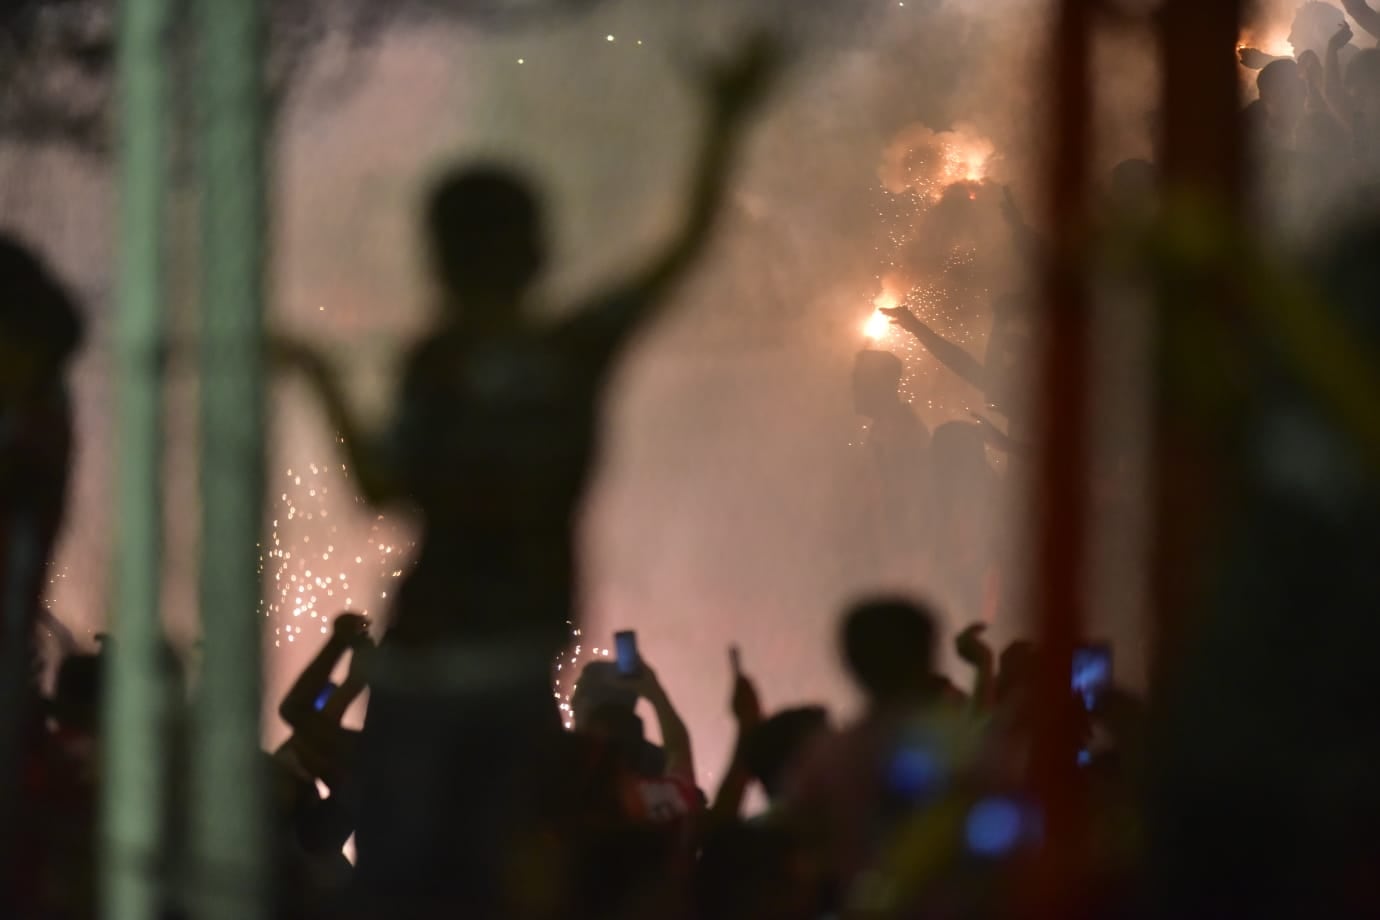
(362, 652)
(1341, 39)
(351, 629)
(736, 85)
(746, 705)
(972, 649)
(899, 316)
(1254, 58)
(643, 682)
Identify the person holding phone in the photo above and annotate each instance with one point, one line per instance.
(319, 747)
(636, 821)
(604, 705)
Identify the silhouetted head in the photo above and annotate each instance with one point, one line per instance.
(612, 721)
(40, 328)
(1314, 25)
(1283, 92)
(487, 241)
(774, 745)
(888, 645)
(876, 382)
(619, 730)
(1134, 186)
(599, 685)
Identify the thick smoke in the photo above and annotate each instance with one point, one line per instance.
(730, 507)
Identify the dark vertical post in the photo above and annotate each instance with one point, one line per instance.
(1205, 184)
(1061, 467)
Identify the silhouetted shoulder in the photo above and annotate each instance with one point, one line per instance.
(595, 334)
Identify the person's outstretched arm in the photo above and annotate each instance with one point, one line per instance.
(950, 355)
(732, 91)
(675, 737)
(375, 478)
(1365, 17)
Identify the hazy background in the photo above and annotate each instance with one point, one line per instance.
(729, 508)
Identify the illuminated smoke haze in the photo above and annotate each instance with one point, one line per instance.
(728, 507)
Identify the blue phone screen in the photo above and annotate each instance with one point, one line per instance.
(324, 696)
(625, 647)
(1092, 673)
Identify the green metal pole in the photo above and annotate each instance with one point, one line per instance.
(136, 701)
(229, 826)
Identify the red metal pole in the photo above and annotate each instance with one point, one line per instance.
(1061, 470)
(1204, 178)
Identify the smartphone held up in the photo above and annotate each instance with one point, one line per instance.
(625, 649)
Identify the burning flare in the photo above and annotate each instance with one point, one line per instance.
(878, 325)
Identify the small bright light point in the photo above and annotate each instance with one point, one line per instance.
(610, 38)
(877, 326)
(522, 61)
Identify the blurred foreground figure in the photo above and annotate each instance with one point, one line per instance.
(495, 439)
(854, 786)
(39, 332)
(1263, 800)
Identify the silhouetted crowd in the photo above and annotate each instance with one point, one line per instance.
(1316, 123)
(1249, 789)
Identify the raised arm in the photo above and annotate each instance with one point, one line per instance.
(376, 480)
(298, 708)
(675, 737)
(731, 90)
(1365, 17)
(747, 714)
(950, 355)
(973, 650)
(1333, 90)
